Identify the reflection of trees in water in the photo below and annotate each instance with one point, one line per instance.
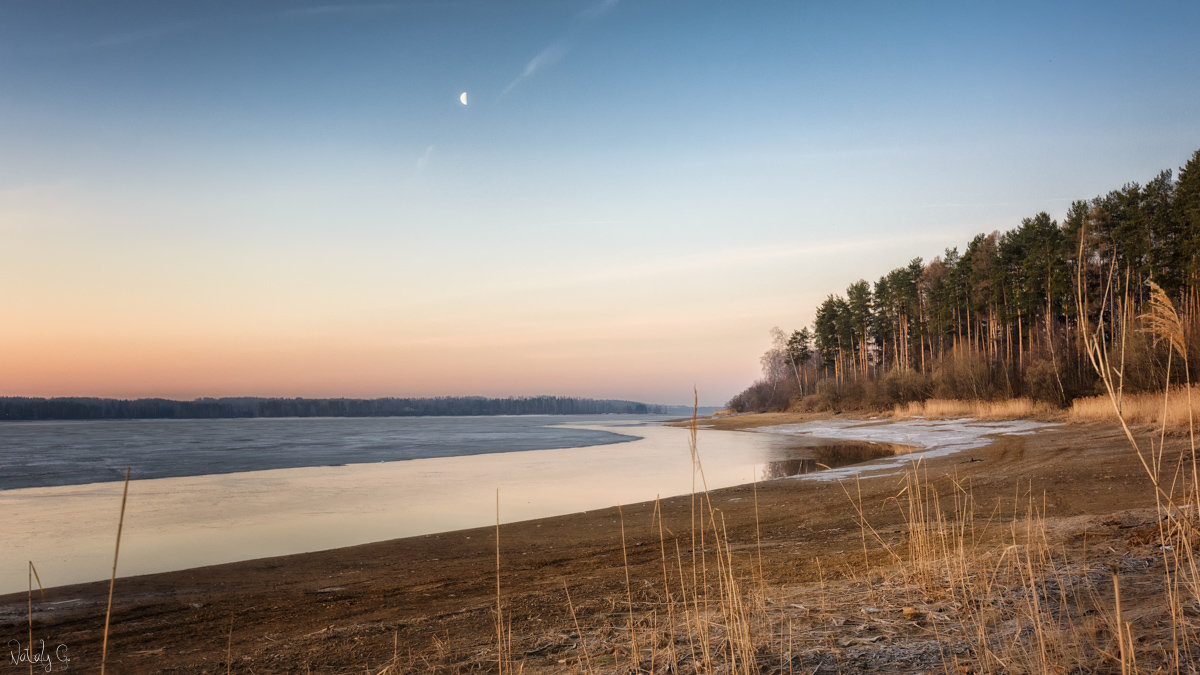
(789, 467)
(830, 456)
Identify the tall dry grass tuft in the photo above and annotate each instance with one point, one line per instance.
(586, 661)
(1139, 409)
(113, 580)
(1177, 494)
(229, 648)
(702, 615)
(633, 641)
(503, 638)
(1164, 324)
(1013, 408)
(1017, 607)
(1172, 408)
(1162, 321)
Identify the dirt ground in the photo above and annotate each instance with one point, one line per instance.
(824, 593)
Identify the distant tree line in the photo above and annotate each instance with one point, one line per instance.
(19, 408)
(1005, 316)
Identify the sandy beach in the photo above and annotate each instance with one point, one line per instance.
(428, 603)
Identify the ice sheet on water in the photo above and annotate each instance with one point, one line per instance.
(932, 438)
(45, 454)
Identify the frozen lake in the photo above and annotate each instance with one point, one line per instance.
(191, 520)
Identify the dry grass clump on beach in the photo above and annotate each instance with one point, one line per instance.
(1009, 409)
(1170, 409)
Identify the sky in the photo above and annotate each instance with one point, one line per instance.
(289, 198)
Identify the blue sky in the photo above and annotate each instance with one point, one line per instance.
(288, 198)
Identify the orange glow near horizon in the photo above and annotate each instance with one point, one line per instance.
(618, 363)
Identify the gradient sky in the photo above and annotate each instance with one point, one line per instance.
(287, 198)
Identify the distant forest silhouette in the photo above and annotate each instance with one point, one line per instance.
(83, 408)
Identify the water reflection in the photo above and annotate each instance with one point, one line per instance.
(820, 457)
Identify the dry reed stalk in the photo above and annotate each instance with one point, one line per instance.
(762, 583)
(738, 615)
(33, 575)
(1120, 625)
(864, 523)
(717, 608)
(112, 583)
(662, 549)
(499, 615)
(1033, 597)
(582, 646)
(634, 653)
(862, 531)
(699, 579)
(687, 620)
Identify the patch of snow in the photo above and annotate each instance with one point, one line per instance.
(933, 438)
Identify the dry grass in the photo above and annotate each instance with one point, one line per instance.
(113, 581)
(1176, 493)
(1013, 408)
(1011, 603)
(991, 607)
(1171, 410)
(959, 590)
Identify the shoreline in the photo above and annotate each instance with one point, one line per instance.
(343, 609)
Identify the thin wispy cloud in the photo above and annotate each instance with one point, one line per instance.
(708, 261)
(599, 9)
(664, 268)
(558, 49)
(423, 160)
(544, 59)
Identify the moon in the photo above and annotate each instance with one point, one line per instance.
(462, 98)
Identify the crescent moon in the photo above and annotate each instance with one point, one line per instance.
(463, 98)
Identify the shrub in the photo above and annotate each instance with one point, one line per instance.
(903, 386)
(1042, 383)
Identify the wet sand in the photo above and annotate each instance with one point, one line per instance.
(427, 603)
